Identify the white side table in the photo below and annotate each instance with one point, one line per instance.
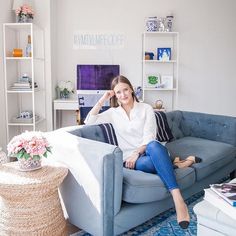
(211, 221)
(63, 104)
(29, 201)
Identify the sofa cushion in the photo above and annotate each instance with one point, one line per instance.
(141, 187)
(214, 154)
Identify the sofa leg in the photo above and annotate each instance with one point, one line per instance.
(232, 175)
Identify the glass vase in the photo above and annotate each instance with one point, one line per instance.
(64, 95)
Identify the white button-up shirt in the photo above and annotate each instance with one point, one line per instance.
(131, 132)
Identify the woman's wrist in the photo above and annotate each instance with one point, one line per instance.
(136, 152)
(100, 103)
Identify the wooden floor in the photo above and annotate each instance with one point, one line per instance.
(71, 228)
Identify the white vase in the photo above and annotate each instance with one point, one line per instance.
(23, 19)
(29, 164)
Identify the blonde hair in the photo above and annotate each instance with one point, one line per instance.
(115, 81)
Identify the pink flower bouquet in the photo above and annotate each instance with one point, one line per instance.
(29, 145)
(24, 13)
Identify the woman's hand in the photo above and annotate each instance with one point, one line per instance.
(106, 96)
(130, 161)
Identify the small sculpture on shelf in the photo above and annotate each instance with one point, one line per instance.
(169, 22)
(138, 92)
(161, 24)
(159, 105)
(151, 23)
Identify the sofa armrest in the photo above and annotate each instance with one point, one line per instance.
(92, 191)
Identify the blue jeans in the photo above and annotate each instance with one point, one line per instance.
(156, 160)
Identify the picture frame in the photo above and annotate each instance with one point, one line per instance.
(153, 80)
(167, 81)
(164, 54)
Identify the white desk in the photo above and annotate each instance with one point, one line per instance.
(63, 104)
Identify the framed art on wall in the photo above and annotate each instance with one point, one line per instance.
(153, 80)
(167, 81)
(164, 54)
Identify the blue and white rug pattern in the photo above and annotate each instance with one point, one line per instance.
(165, 223)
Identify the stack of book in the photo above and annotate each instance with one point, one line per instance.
(23, 86)
(223, 197)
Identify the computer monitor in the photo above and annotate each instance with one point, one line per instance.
(95, 78)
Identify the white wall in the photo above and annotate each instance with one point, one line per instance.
(43, 19)
(207, 44)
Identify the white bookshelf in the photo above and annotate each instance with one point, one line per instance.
(16, 101)
(152, 41)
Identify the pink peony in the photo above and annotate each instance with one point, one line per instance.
(25, 10)
(29, 144)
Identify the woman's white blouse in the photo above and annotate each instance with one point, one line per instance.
(131, 132)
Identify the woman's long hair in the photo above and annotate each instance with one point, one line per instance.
(115, 81)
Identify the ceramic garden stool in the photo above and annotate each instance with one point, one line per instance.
(29, 201)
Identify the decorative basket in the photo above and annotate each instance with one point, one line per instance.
(29, 164)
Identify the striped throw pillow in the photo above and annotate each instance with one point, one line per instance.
(163, 130)
(109, 133)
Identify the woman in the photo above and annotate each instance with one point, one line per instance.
(135, 128)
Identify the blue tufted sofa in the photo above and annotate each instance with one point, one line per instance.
(105, 199)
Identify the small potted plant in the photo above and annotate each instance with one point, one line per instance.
(65, 88)
(29, 148)
(24, 14)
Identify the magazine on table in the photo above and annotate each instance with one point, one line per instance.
(227, 191)
(217, 201)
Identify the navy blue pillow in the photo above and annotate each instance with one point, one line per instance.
(109, 133)
(163, 130)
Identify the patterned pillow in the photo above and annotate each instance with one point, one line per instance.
(163, 130)
(109, 133)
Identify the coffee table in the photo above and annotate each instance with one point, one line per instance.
(211, 221)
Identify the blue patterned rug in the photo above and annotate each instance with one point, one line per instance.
(165, 223)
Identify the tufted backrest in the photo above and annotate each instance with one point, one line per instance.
(213, 127)
(174, 119)
(202, 125)
(93, 132)
(182, 123)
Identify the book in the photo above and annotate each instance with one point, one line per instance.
(227, 191)
(216, 200)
